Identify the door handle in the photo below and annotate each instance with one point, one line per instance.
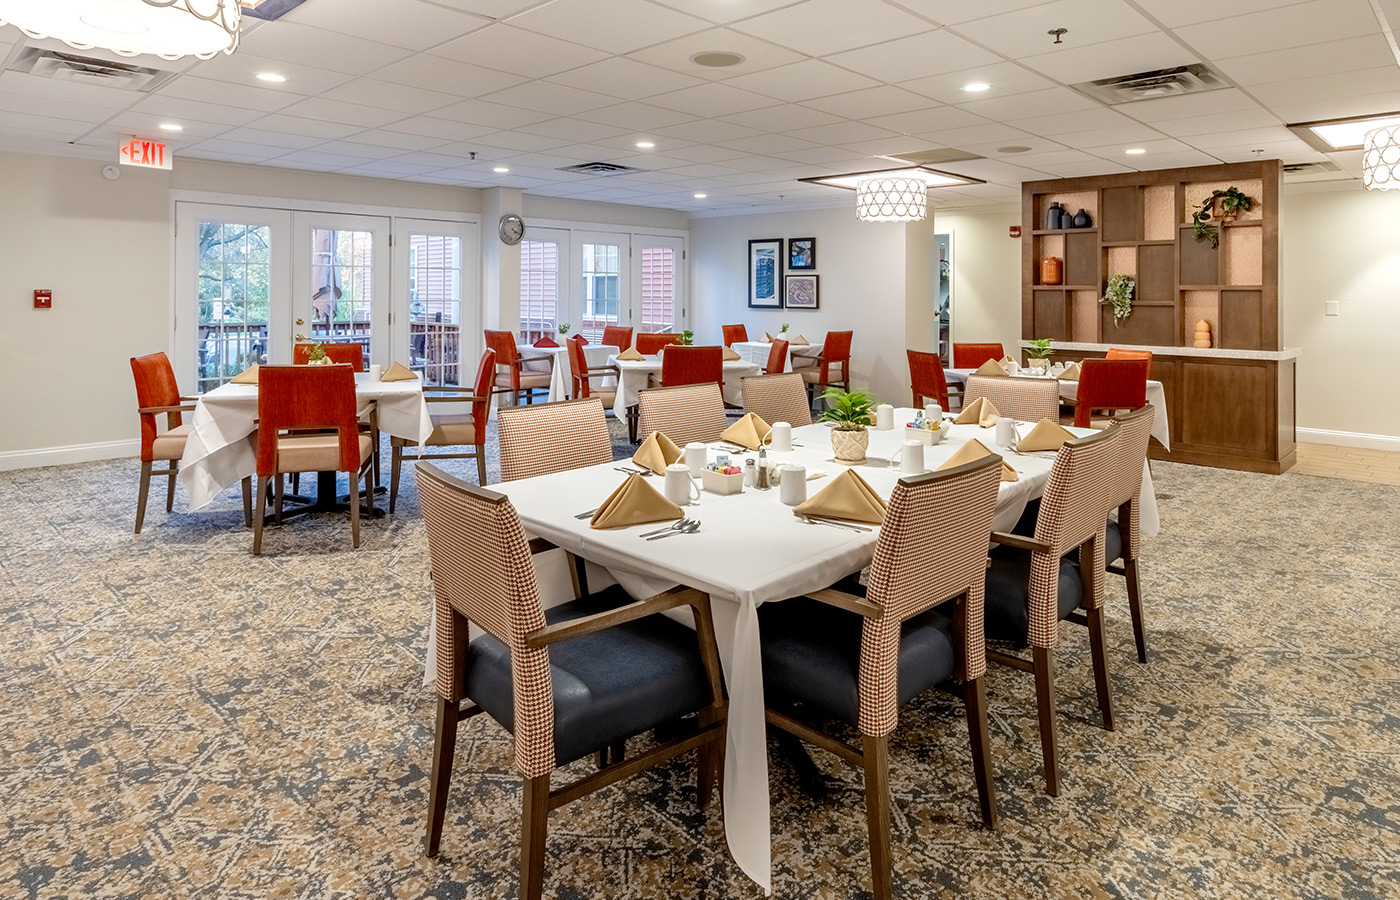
(300, 336)
(301, 321)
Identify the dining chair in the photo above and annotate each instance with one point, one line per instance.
(1122, 353)
(295, 400)
(651, 344)
(734, 333)
(693, 412)
(511, 377)
(971, 356)
(692, 365)
(926, 379)
(617, 336)
(777, 358)
(1027, 399)
(836, 353)
(777, 398)
(348, 353)
(1109, 384)
(452, 430)
(1034, 583)
(857, 657)
(158, 394)
(552, 678)
(1123, 543)
(582, 375)
(552, 437)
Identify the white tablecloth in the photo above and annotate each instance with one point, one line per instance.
(561, 379)
(634, 375)
(1156, 398)
(750, 550)
(799, 355)
(219, 452)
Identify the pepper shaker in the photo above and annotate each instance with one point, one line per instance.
(761, 478)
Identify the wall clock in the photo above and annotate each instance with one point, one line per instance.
(512, 229)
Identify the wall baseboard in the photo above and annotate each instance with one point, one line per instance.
(62, 456)
(1348, 439)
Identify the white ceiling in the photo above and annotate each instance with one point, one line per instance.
(409, 89)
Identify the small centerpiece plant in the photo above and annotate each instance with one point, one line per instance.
(687, 338)
(317, 355)
(1119, 295)
(850, 412)
(1038, 351)
(564, 330)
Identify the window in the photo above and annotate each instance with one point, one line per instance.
(342, 279)
(539, 289)
(435, 307)
(234, 271)
(602, 276)
(658, 289)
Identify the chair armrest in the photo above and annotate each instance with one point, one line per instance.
(849, 602)
(540, 545)
(153, 410)
(465, 398)
(1021, 542)
(550, 634)
(194, 399)
(603, 370)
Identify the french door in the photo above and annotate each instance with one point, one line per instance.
(341, 281)
(601, 264)
(434, 309)
(658, 301)
(629, 280)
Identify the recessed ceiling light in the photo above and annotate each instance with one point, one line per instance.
(171, 126)
(645, 145)
(717, 59)
(1014, 148)
(977, 87)
(500, 170)
(1135, 151)
(700, 196)
(271, 76)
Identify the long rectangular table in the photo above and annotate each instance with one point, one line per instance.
(635, 375)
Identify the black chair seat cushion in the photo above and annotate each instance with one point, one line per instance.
(1008, 600)
(608, 686)
(1113, 544)
(811, 655)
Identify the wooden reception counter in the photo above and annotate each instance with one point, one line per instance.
(1234, 409)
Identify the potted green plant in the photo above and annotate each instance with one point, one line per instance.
(687, 338)
(851, 412)
(1224, 206)
(564, 330)
(1119, 295)
(317, 356)
(1037, 352)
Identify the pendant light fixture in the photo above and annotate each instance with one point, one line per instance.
(169, 29)
(1380, 159)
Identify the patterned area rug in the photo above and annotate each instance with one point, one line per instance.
(182, 719)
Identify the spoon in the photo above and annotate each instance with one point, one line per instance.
(687, 528)
(645, 473)
(674, 526)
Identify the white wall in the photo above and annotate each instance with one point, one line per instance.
(986, 276)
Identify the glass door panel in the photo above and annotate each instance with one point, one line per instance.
(602, 284)
(343, 278)
(439, 306)
(542, 305)
(659, 276)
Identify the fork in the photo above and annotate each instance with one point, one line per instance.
(841, 525)
(645, 473)
(674, 526)
(688, 528)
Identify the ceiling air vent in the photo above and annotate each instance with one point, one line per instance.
(87, 70)
(1192, 79)
(1313, 171)
(600, 168)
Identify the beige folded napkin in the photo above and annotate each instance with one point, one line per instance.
(398, 372)
(799, 341)
(634, 503)
(1046, 435)
(972, 451)
(730, 354)
(980, 412)
(767, 338)
(630, 354)
(657, 452)
(991, 367)
(847, 497)
(750, 431)
(1071, 372)
(247, 376)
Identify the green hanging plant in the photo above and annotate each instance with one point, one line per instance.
(1119, 295)
(1230, 203)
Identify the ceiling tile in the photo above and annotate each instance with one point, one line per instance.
(953, 12)
(758, 54)
(518, 51)
(924, 121)
(326, 131)
(1327, 58)
(438, 73)
(843, 133)
(1023, 33)
(624, 78)
(572, 130)
(544, 96)
(1006, 79)
(447, 130)
(94, 97)
(1047, 102)
(882, 100)
(208, 90)
(519, 141)
(624, 25)
(186, 111)
(1322, 87)
(1069, 122)
(802, 81)
(319, 48)
(1123, 56)
(482, 112)
(1222, 122)
(783, 117)
(1188, 12)
(344, 113)
(410, 24)
(712, 100)
(387, 95)
(713, 131)
(1290, 26)
(282, 139)
(820, 27)
(916, 56)
(770, 144)
(243, 68)
(639, 116)
(722, 11)
(1204, 104)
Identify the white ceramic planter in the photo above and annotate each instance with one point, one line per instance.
(850, 446)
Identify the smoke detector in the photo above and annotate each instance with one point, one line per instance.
(1155, 85)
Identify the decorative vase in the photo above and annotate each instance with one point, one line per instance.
(1054, 217)
(1082, 220)
(850, 446)
(1202, 339)
(1051, 270)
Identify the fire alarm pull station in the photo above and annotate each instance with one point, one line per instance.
(43, 299)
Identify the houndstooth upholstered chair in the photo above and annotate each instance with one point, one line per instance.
(568, 682)
(1036, 582)
(859, 659)
(777, 398)
(1124, 537)
(1027, 399)
(692, 412)
(552, 437)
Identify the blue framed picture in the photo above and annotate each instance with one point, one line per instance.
(766, 273)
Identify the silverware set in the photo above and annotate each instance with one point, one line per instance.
(645, 473)
(684, 526)
(834, 523)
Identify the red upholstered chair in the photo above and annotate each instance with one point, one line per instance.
(1109, 384)
(836, 354)
(545, 342)
(777, 358)
(1121, 353)
(650, 344)
(455, 430)
(350, 354)
(970, 356)
(617, 336)
(692, 365)
(293, 400)
(926, 379)
(582, 375)
(511, 377)
(734, 333)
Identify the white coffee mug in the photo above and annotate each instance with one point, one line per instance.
(696, 455)
(884, 417)
(909, 457)
(375, 371)
(680, 488)
(782, 436)
(792, 490)
(1006, 432)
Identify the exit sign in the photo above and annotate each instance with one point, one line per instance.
(148, 154)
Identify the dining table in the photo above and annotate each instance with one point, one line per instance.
(220, 450)
(800, 356)
(556, 360)
(749, 549)
(635, 375)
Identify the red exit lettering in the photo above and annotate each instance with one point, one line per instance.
(146, 154)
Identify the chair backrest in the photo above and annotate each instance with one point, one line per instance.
(578, 367)
(503, 342)
(692, 365)
(1136, 428)
(649, 344)
(1073, 509)
(552, 437)
(734, 333)
(617, 336)
(482, 573)
(971, 356)
(777, 357)
(1109, 384)
(1027, 399)
(926, 378)
(1122, 353)
(307, 397)
(837, 347)
(481, 406)
(777, 398)
(694, 412)
(155, 386)
(932, 547)
(343, 353)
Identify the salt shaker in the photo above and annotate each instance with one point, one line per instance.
(750, 473)
(760, 482)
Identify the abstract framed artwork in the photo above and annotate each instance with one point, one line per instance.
(800, 292)
(802, 254)
(766, 273)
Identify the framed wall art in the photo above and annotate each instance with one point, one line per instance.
(766, 273)
(800, 292)
(801, 254)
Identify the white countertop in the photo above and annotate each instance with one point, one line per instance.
(1213, 352)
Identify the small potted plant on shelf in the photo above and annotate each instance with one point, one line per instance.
(1119, 295)
(1038, 353)
(1223, 206)
(850, 411)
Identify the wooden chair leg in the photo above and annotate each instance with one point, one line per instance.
(170, 486)
(260, 515)
(975, 698)
(141, 497)
(444, 749)
(710, 764)
(395, 464)
(480, 464)
(877, 812)
(248, 501)
(355, 507)
(1049, 723)
(534, 823)
(1099, 652)
(1130, 569)
(277, 500)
